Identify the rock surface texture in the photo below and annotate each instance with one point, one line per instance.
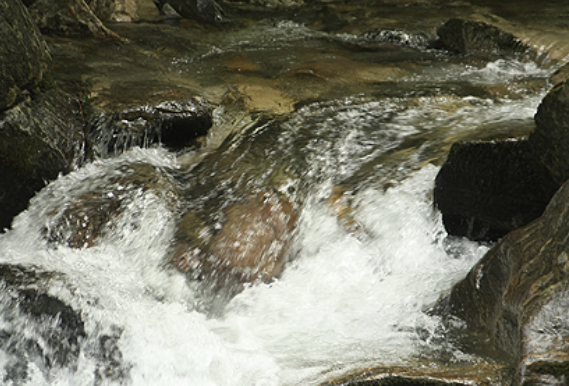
(518, 292)
(25, 60)
(39, 139)
(68, 18)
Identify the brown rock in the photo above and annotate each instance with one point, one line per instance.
(91, 215)
(250, 247)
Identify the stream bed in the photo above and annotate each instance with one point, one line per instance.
(345, 124)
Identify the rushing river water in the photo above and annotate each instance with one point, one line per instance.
(352, 294)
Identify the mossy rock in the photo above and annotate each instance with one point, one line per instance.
(26, 62)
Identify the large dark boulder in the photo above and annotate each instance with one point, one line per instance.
(519, 292)
(487, 189)
(478, 38)
(550, 139)
(39, 139)
(26, 62)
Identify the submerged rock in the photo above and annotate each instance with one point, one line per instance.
(478, 38)
(519, 293)
(68, 18)
(39, 139)
(423, 373)
(86, 216)
(487, 189)
(250, 246)
(26, 62)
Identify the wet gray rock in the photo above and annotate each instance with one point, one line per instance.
(478, 38)
(26, 62)
(68, 18)
(518, 293)
(487, 189)
(39, 139)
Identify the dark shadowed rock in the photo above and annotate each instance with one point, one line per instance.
(478, 38)
(487, 189)
(549, 141)
(68, 18)
(25, 60)
(175, 124)
(519, 294)
(39, 139)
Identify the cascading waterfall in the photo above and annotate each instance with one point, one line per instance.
(350, 295)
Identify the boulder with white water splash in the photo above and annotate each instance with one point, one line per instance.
(250, 245)
(518, 294)
(487, 189)
(36, 326)
(39, 139)
(26, 62)
(83, 218)
(40, 332)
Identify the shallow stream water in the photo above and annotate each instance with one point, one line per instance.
(318, 113)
